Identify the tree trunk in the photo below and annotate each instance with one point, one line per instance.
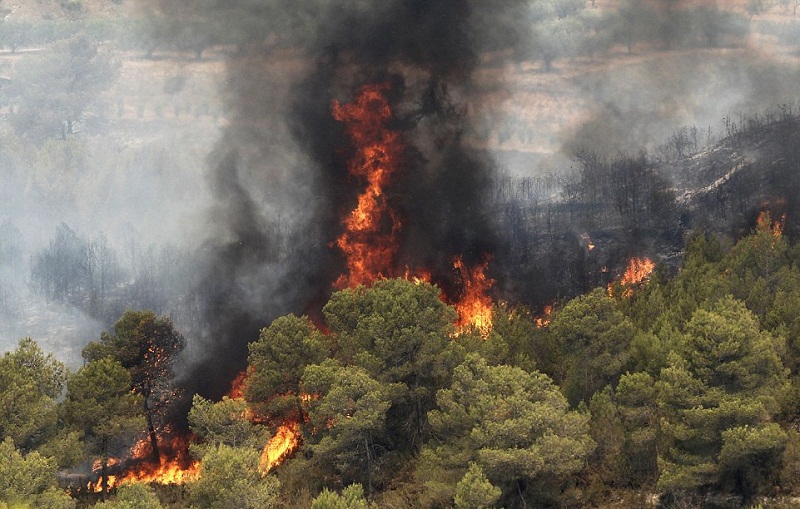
(301, 413)
(151, 431)
(369, 466)
(521, 496)
(104, 469)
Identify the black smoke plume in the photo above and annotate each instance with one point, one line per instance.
(278, 173)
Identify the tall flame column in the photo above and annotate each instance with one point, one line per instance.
(369, 241)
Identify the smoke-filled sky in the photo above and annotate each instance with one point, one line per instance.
(229, 170)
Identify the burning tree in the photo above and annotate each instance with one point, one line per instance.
(100, 404)
(145, 345)
(273, 384)
(369, 242)
(475, 305)
(637, 272)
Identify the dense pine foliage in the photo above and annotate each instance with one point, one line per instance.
(680, 392)
(683, 390)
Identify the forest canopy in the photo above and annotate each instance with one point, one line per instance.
(684, 387)
(176, 174)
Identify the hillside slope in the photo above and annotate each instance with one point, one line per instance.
(723, 187)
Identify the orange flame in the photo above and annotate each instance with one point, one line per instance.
(417, 276)
(238, 385)
(544, 320)
(175, 466)
(97, 487)
(475, 306)
(776, 227)
(168, 472)
(369, 240)
(284, 443)
(286, 438)
(638, 271)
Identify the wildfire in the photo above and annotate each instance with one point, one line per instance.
(285, 441)
(369, 241)
(286, 438)
(765, 223)
(417, 276)
(638, 271)
(169, 471)
(176, 466)
(97, 487)
(238, 386)
(475, 306)
(544, 320)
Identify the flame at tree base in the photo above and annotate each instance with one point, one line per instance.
(637, 272)
(168, 472)
(175, 465)
(544, 320)
(475, 305)
(764, 223)
(279, 447)
(370, 240)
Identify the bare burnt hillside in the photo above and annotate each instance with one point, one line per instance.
(755, 168)
(571, 232)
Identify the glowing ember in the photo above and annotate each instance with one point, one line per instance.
(587, 241)
(638, 271)
(475, 306)
(544, 320)
(369, 241)
(285, 441)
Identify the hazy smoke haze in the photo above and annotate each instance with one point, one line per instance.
(208, 157)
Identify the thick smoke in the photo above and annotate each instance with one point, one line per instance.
(524, 84)
(472, 82)
(641, 104)
(278, 176)
(683, 65)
